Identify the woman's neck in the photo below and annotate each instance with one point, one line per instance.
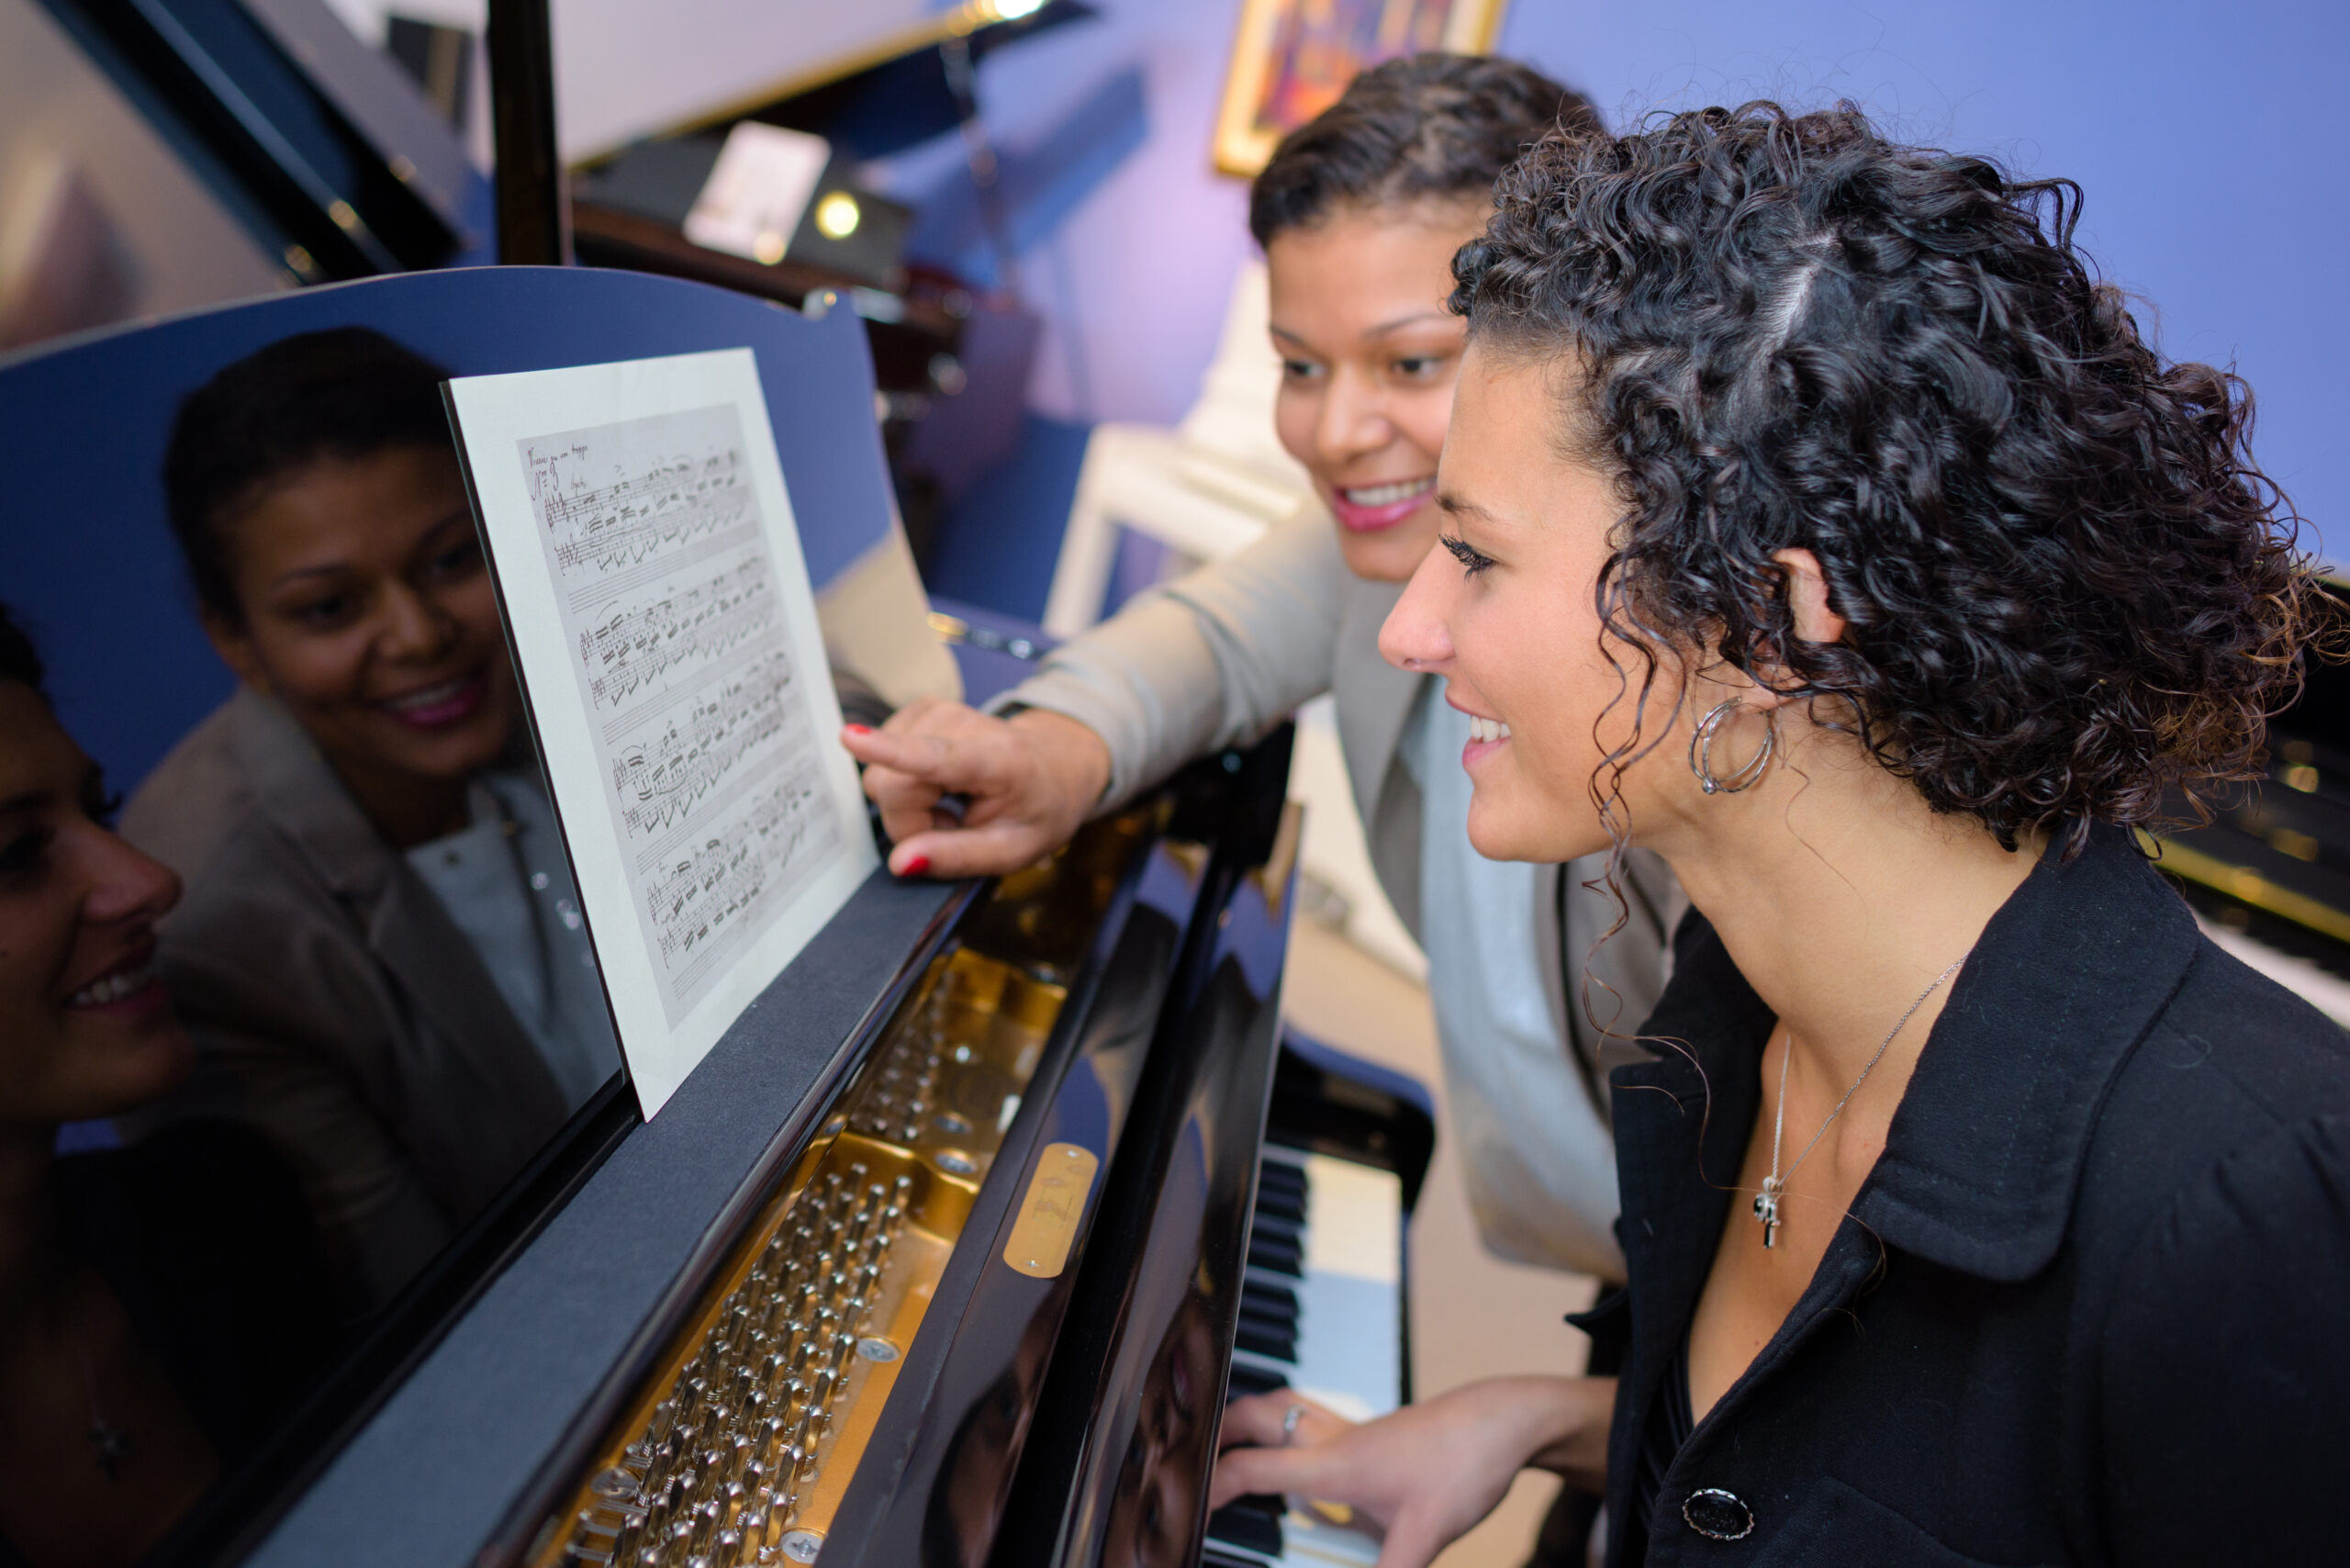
(1842, 896)
(405, 809)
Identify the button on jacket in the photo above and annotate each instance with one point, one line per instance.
(2091, 1306)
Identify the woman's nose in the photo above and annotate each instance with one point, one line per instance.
(126, 883)
(1418, 631)
(1354, 420)
(414, 627)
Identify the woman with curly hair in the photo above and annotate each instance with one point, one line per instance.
(1816, 519)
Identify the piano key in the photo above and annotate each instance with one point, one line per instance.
(1279, 1347)
(1320, 1311)
(1248, 1379)
(1276, 1255)
(1212, 1557)
(1253, 1523)
(1260, 1294)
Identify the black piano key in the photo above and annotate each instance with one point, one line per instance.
(1281, 1223)
(1272, 1347)
(1247, 1380)
(1276, 1205)
(1262, 1296)
(1251, 1522)
(1277, 1255)
(1271, 1325)
(1279, 1174)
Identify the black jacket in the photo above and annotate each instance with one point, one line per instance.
(2092, 1305)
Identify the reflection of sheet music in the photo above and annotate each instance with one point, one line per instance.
(704, 731)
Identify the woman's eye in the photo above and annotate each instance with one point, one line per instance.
(1300, 369)
(1418, 366)
(457, 561)
(1473, 560)
(26, 853)
(333, 610)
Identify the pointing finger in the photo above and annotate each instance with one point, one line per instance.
(988, 850)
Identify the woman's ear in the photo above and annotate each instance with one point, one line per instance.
(235, 646)
(1807, 597)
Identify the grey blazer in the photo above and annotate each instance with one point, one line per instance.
(337, 1007)
(1224, 653)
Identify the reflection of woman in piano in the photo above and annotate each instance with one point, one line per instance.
(1359, 213)
(158, 1305)
(1816, 519)
(380, 951)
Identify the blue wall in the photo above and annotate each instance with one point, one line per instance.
(2204, 136)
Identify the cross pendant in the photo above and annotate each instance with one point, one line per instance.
(1766, 1209)
(114, 1446)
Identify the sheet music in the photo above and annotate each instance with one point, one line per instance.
(655, 539)
(667, 635)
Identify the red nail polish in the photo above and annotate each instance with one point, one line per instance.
(915, 867)
(858, 729)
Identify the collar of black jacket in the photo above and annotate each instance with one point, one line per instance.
(1985, 1152)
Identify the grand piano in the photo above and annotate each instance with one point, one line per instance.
(950, 1250)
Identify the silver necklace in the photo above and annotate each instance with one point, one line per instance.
(1766, 1201)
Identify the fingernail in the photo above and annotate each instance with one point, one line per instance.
(915, 867)
(856, 729)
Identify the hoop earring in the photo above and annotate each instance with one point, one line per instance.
(1701, 753)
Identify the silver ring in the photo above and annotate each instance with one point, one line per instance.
(1290, 1419)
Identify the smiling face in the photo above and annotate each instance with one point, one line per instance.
(1505, 614)
(1369, 355)
(367, 609)
(85, 1029)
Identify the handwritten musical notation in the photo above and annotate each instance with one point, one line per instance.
(706, 885)
(701, 622)
(640, 512)
(652, 531)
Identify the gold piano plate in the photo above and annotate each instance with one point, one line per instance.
(743, 1441)
(1040, 1239)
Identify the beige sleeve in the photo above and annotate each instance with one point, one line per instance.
(286, 1027)
(1210, 659)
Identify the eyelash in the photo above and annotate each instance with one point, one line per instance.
(1472, 561)
(25, 852)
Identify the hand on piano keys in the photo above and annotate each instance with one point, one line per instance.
(1420, 1477)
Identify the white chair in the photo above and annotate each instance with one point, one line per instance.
(1207, 489)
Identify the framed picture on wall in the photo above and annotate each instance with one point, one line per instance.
(1292, 58)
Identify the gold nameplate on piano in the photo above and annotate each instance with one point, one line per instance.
(739, 1448)
(1049, 1215)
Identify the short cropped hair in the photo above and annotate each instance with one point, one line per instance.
(1423, 127)
(343, 393)
(2067, 587)
(19, 660)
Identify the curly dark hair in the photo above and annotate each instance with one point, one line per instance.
(2067, 587)
(345, 392)
(1426, 126)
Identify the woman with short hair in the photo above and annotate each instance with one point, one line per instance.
(1817, 520)
(1360, 212)
(381, 952)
